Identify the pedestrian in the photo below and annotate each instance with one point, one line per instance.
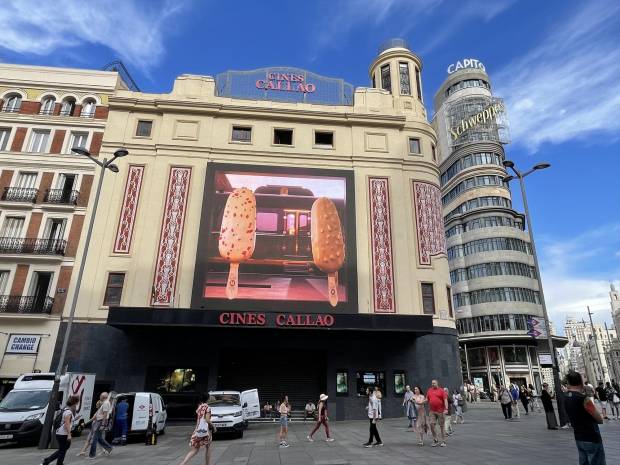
(613, 401)
(616, 386)
(524, 398)
(546, 398)
(493, 393)
(584, 418)
(505, 399)
(534, 404)
(438, 407)
(409, 405)
(601, 396)
(322, 419)
(457, 400)
(100, 426)
(448, 414)
(203, 432)
(373, 417)
(285, 411)
(421, 424)
(514, 392)
(120, 422)
(379, 397)
(309, 410)
(89, 438)
(63, 423)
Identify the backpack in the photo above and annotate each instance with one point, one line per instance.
(58, 419)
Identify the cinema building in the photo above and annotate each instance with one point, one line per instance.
(44, 195)
(494, 287)
(271, 229)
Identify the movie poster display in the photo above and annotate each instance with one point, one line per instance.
(276, 238)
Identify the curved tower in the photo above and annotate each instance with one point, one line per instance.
(494, 284)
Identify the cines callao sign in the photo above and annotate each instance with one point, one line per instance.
(466, 63)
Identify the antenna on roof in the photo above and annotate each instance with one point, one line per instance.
(119, 67)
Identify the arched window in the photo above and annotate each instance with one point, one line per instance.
(68, 107)
(88, 108)
(47, 105)
(13, 103)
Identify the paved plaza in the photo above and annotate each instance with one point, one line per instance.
(485, 439)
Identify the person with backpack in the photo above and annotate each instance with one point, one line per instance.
(63, 424)
(202, 435)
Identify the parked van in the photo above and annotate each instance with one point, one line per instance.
(23, 409)
(231, 410)
(142, 406)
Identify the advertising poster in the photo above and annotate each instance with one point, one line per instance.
(275, 238)
(342, 383)
(399, 382)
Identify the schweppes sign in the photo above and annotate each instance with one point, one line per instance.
(489, 113)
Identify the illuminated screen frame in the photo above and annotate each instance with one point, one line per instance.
(202, 254)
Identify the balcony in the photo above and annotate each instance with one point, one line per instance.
(13, 109)
(20, 194)
(61, 196)
(21, 245)
(26, 304)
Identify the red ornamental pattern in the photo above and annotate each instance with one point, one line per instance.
(429, 220)
(127, 219)
(167, 264)
(381, 245)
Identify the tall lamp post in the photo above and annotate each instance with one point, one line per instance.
(51, 406)
(554, 359)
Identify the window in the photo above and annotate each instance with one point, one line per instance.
(428, 299)
(5, 133)
(414, 145)
(13, 103)
(241, 134)
(499, 294)
(144, 127)
(324, 138)
(12, 226)
(468, 161)
(38, 140)
(405, 82)
(68, 107)
(477, 357)
(515, 355)
(386, 82)
(434, 152)
(370, 379)
(418, 82)
(47, 106)
(55, 229)
(114, 289)
(4, 281)
(26, 180)
(449, 294)
(283, 136)
(88, 108)
(77, 140)
(466, 84)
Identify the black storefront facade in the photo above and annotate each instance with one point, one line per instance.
(297, 354)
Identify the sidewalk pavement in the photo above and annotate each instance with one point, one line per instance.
(485, 439)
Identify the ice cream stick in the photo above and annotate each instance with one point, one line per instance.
(232, 286)
(332, 288)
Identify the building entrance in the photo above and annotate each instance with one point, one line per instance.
(275, 373)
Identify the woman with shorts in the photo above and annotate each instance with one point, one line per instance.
(285, 411)
(201, 437)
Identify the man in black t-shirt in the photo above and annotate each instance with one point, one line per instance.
(585, 418)
(601, 396)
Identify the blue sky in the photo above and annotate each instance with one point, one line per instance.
(556, 63)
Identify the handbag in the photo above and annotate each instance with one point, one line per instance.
(202, 430)
(615, 399)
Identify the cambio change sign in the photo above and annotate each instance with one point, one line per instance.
(23, 344)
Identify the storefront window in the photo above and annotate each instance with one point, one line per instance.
(534, 356)
(477, 357)
(515, 355)
(370, 379)
(481, 381)
(342, 383)
(493, 353)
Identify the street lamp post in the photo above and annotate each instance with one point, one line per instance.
(554, 360)
(51, 406)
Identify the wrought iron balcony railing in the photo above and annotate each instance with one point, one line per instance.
(61, 196)
(14, 109)
(27, 245)
(25, 304)
(20, 194)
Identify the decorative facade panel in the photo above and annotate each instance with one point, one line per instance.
(167, 265)
(129, 209)
(429, 221)
(381, 245)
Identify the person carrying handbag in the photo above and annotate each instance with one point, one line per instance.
(203, 433)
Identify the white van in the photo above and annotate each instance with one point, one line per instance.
(143, 405)
(23, 410)
(231, 410)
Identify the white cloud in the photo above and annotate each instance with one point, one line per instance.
(133, 30)
(569, 285)
(567, 87)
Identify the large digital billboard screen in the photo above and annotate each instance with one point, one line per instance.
(276, 238)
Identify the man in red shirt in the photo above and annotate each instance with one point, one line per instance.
(438, 406)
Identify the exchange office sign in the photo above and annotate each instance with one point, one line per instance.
(23, 344)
